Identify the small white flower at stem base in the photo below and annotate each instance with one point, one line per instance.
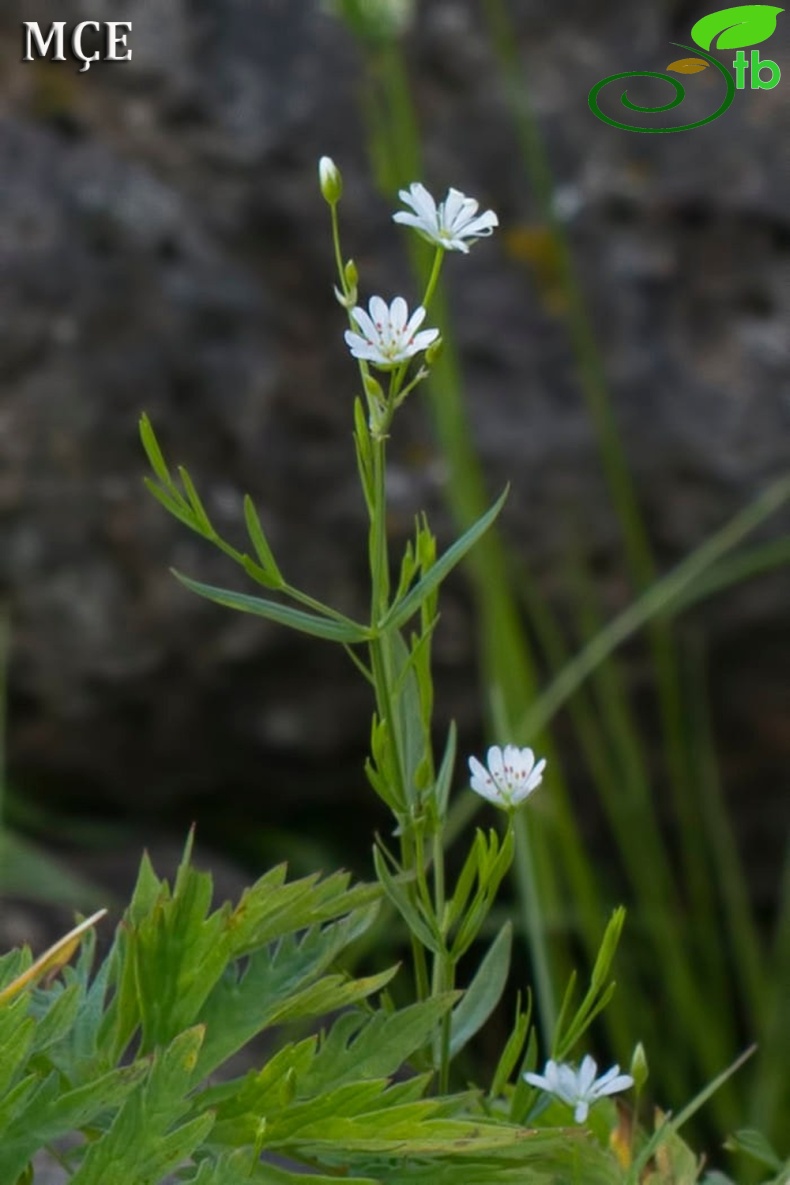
(579, 1088)
(452, 224)
(387, 335)
(509, 776)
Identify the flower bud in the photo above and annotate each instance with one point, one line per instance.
(434, 352)
(639, 1067)
(350, 274)
(330, 180)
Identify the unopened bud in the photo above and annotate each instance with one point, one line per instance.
(350, 274)
(330, 180)
(434, 351)
(639, 1067)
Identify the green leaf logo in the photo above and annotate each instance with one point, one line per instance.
(746, 24)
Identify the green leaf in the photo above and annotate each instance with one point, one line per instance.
(399, 897)
(287, 981)
(514, 1047)
(178, 508)
(51, 1111)
(296, 619)
(146, 1134)
(359, 1047)
(400, 612)
(25, 871)
(259, 542)
(153, 452)
(755, 1145)
(201, 518)
(746, 24)
(484, 992)
(444, 777)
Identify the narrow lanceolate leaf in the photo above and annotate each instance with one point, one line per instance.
(401, 611)
(483, 993)
(399, 897)
(296, 619)
(201, 517)
(153, 451)
(178, 508)
(260, 543)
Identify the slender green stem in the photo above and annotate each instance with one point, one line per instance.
(529, 895)
(444, 966)
(433, 279)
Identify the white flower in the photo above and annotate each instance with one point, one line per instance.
(511, 775)
(450, 223)
(580, 1088)
(388, 336)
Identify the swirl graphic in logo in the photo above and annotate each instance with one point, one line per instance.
(679, 96)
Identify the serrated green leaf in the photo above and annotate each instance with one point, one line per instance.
(50, 1112)
(285, 981)
(147, 1138)
(296, 619)
(400, 612)
(484, 992)
(745, 24)
(359, 1047)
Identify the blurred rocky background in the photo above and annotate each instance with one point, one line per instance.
(164, 247)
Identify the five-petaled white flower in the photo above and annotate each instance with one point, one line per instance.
(580, 1088)
(387, 335)
(511, 776)
(448, 225)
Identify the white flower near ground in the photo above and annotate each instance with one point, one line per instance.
(387, 334)
(453, 224)
(510, 776)
(579, 1088)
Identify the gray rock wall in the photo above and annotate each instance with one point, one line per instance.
(163, 247)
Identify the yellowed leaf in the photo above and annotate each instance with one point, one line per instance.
(688, 65)
(53, 959)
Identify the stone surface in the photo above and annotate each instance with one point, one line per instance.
(163, 247)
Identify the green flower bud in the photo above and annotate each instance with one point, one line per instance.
(434, 352)
(330, 180)
(639, 1066)
(350, 274)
